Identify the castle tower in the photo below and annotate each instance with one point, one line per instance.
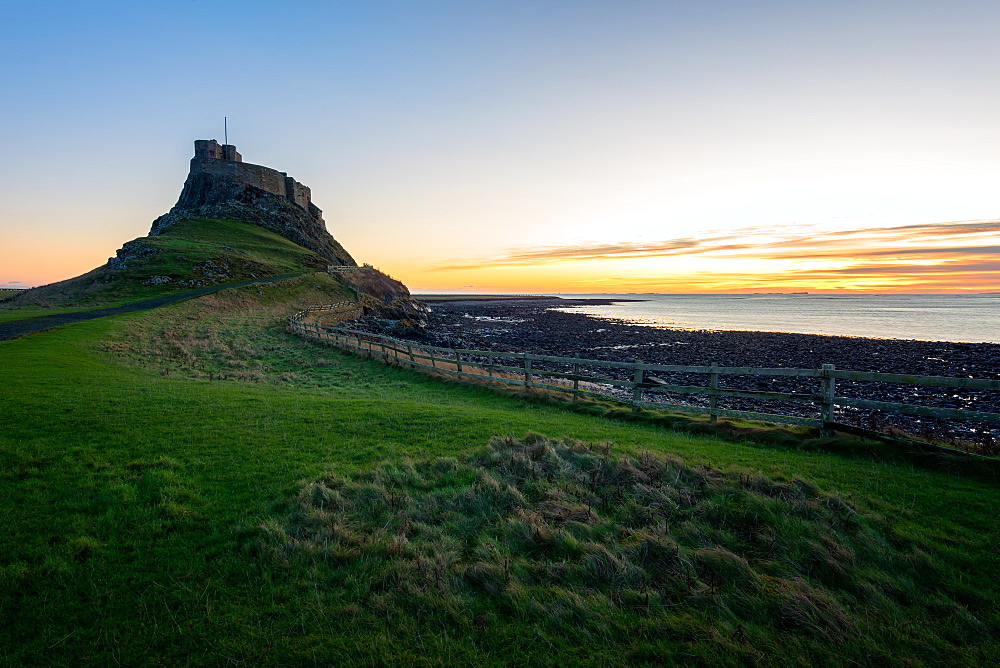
(210, 148)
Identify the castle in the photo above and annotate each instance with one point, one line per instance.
(211, 157)
(220, 185)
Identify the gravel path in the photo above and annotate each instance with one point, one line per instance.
(16, 328)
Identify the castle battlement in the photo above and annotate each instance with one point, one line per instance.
(211, 157)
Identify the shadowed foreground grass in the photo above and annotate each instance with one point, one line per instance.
(159, 472)
(646, 553)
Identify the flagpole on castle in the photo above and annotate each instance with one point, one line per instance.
(225, 129)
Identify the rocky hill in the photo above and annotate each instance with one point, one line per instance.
(234, 221)
(228, 188)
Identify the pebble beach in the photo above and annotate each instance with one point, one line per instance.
(537, 325)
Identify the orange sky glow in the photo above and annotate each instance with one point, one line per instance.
(952, 257)
(526, 147)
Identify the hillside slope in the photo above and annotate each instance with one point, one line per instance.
(191, 254)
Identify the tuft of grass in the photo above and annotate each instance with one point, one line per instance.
(896, 447)
(534, 536)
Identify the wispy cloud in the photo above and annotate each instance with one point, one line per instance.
(936, 242)
(951, 268)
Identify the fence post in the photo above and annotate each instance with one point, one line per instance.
(458, 363)
(713, 402)
(636, 387)
(409, 350)
(576, 382)
(827, 389)
(527, 372)
(489, 365)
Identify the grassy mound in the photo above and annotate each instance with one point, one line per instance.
(235, 334)
(240, 250)
(191, 254)
(538, 538)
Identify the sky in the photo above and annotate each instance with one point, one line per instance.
(508, 146)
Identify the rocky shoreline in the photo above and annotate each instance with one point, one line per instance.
(539, 326)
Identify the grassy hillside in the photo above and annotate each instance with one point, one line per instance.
(246, 249)
(195, 486)
(191, 254)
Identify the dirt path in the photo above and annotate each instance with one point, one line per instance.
(16, 328)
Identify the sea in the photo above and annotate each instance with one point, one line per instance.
(968, 318)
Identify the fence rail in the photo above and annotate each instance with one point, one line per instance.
(635, 383)
(332, 313)
(344, 269)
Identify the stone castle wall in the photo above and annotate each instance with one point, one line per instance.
(298, 193)
(222, 160)
(258, 176)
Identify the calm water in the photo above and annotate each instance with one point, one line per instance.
(968, 318)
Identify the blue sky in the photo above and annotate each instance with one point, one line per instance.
(456, 134)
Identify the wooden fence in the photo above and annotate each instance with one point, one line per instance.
(346, 269)
(326, 314)
(634, 383)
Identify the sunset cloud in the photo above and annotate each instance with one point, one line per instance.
(783, 244)
(938, 256)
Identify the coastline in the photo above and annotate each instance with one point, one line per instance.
(539, 327)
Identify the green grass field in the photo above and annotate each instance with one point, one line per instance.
(193, 485)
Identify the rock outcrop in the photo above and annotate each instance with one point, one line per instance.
(387, 303)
